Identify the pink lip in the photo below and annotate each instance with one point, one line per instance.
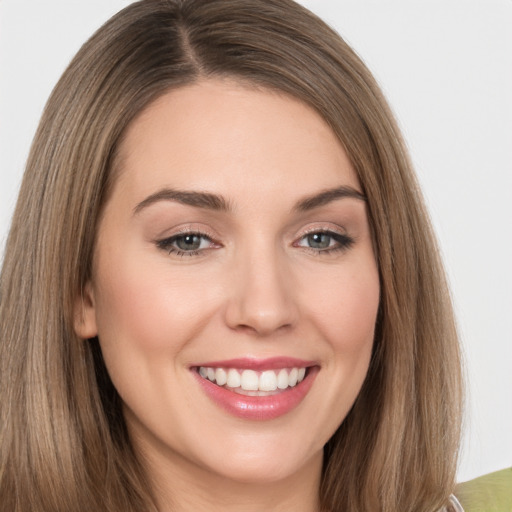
(249, 363)
(258, 407)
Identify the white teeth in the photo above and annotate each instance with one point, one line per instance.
(250, 380)
(221, 376)
(282, 379)
(234, 379)
(268, 381)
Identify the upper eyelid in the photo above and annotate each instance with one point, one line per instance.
(206, 232)
(187, 229)
(322, 228)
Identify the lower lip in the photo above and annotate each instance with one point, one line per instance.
(259, 407)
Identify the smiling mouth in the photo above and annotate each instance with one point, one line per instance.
(254, 383)
(257, 389)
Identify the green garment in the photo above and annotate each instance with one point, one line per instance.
(488, 493)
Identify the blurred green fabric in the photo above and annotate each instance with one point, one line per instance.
(488, 493)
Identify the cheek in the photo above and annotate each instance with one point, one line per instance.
(146, 308)
(344, 312)
(347, 309)
(145, 318)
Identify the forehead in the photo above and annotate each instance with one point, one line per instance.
(217, 134)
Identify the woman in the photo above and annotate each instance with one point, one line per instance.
(221, 288)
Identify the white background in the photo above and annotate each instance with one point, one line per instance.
(446, 68)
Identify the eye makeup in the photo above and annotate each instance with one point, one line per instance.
(188, 243)
(321, 241)
(325, 241)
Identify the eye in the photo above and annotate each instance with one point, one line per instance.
(189, 244)
(319, 240)
(325, 241)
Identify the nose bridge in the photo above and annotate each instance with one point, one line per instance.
(261, 300)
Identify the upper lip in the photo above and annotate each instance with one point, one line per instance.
(257, 364)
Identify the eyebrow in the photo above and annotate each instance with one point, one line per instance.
(328, 196)
(217, 202)
(190, 198)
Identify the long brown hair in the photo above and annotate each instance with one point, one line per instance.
(63, 441)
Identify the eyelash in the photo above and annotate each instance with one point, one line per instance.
(343, 242)
(167, 243)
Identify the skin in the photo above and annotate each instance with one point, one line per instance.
(256, 288)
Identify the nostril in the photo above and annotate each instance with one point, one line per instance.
(262, 328)
(261, 300)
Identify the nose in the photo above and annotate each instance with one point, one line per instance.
(261, 299)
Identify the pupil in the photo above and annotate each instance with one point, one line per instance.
(188, 242)
(319, 240)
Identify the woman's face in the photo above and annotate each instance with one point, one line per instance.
(235, 246)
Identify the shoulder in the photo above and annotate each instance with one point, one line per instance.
(488, 493)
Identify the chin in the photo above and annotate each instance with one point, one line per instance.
(266, 465)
